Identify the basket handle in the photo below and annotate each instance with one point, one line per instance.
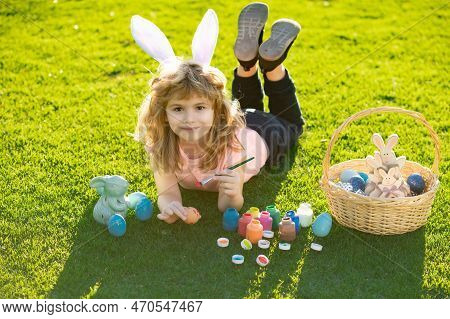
(383, 109)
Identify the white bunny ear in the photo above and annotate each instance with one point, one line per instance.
(151, 39)
(205, 38)
(378, 141)
(392, 141)
(392, 171)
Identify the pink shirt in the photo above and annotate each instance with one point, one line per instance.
(253, 145)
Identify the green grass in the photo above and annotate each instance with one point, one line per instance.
(68, 98)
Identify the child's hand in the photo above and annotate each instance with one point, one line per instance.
(230, 183)
(173, 208)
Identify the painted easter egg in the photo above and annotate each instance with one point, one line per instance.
(262, 260)
(347, 174)
(134, 198)
(144, 209)
(117, 225)
(357, 183)
(322, 225)
(193, 215)
(364, 176)
(416, 183)
(246, 244)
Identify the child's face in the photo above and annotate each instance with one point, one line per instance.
(190, 118)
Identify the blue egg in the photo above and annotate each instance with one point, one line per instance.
(364, 176)
(357, 183)
(134, 198)
(416, 183)
(322, 225)
(144, 209)
(117, 225)
(347, 174)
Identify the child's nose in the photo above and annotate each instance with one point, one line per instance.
(189, 117)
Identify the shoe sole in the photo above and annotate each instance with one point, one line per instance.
(250, 24)
(284, 32)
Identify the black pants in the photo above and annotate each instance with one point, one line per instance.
(283, 125)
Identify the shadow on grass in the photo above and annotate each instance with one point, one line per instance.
(156, 260)
(351, 265)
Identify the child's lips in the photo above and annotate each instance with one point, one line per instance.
(189, 128)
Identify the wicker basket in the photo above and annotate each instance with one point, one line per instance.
(382, 216)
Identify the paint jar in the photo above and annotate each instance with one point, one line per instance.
(287, 229)
(243, 222)
(230, 219)
(266, 220)
(254, 231)
(254, 211)
(275, 214)
(305, 214)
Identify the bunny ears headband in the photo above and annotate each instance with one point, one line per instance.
(153, 41)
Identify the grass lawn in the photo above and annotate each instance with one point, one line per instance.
(71, 80)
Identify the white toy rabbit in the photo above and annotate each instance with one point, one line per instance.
(374, 163)
(386, 153)
(392, 186)
(383, 167)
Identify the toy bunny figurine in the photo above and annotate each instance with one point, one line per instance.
(374, 163)
(384, 167)
(373, 185)
(112, 190)
(391, 186)
(388, 157)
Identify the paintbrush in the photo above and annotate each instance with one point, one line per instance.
(206, 180)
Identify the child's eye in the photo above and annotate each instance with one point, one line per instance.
(201, 107)
(177, 109)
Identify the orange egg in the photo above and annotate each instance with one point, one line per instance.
(193, 215)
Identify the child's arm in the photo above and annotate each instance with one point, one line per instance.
(169, 196)
(230, 189)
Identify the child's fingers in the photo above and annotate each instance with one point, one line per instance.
(167, 211)
(226, 172)
(224, 178)
(162, 216)
(179, 211)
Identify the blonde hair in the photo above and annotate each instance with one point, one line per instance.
(180, 80)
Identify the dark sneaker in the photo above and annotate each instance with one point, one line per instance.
(274, 50)
(250, 33)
